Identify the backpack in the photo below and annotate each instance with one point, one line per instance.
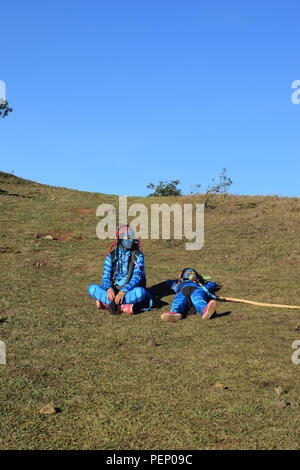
(132, 261)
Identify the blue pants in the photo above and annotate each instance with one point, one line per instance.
(185, 304)
(138, 294)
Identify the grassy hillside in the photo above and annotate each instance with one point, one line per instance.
(136, 382)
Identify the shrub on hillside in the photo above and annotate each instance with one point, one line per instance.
(4, 109)
(165, 188)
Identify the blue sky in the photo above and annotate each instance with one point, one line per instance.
(111, 95)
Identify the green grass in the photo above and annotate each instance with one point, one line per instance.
(136, 382)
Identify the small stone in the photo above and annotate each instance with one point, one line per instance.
(219, 386)
(297, 327)
(280, 391)
(47, 410)
(49, 237)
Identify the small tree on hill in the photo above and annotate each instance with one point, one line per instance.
(165, 188)
(219, 187)
(4, 108)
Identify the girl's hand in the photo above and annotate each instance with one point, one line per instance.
(111, 294)
(119, 297)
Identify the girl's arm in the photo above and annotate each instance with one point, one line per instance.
(212, 286)
(107, 272)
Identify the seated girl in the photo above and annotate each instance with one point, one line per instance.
(124, 280)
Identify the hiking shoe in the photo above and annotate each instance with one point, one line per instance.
(209, 310)
(171, 316)
(101, 305)
(114, 309)
(127, 308)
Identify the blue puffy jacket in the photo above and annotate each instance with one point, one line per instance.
(116, 270)
(208, 289)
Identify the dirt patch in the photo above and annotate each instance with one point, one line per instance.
(86, 211)
(223, 444)
(31, 375)
(9, 249)
(293, 259)
(82, 267)
(63, 236)
(39, 262)
(58, 236)
(6, 249)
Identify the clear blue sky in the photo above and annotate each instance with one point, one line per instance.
(110, 95)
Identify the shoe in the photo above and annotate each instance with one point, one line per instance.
(209, 310)
(101, 305)
(127, 308)
(171, 316)
(114, 309)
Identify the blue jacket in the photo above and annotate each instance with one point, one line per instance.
(208, 290)
(110, 279)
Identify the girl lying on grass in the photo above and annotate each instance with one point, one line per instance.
(193, 295)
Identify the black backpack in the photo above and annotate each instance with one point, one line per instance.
(132, 261)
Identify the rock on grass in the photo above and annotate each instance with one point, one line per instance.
(48, 410)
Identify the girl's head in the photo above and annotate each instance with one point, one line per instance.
(126, 236)
(190, 274)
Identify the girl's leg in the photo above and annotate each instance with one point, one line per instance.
(138, 294)
(198, 300)
(179, 306)
(205, 307)
(134, 296)
(99, 293)
(180, 303)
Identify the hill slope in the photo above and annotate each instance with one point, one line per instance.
(136, 382)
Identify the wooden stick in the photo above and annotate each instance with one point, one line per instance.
(232, 299)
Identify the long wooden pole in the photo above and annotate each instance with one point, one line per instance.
(232, 299)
